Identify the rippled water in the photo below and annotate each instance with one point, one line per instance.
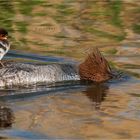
(74, 110)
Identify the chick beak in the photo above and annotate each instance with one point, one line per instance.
(5, 37)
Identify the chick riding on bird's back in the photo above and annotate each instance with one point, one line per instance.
(4, 44)
(95, 68)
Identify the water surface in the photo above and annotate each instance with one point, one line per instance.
(73, 110)
(40, 28)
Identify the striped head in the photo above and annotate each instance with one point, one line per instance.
(4, 44)
(3, 34)
(95, 68)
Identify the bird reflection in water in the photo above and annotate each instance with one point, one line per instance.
(97, 93)
(6, 117)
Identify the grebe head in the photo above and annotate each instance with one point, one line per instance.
(95, 68)
(3, 33)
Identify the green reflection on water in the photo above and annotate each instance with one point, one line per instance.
(72, 25)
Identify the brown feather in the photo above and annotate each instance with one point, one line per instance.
(95, 67)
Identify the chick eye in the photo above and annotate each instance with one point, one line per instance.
(101, 59)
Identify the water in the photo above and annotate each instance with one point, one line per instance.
(79, 114)
(41, 32)
(73, 110)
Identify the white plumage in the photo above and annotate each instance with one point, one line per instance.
(4, 48)
(4, 44)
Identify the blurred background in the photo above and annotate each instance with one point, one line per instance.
(48, 30)
(72, 27)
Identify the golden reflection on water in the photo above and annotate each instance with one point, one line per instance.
(71, 28)
(99, 111)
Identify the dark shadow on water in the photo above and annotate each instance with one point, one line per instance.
(40, 90)
(6, 117)
(97, 93)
